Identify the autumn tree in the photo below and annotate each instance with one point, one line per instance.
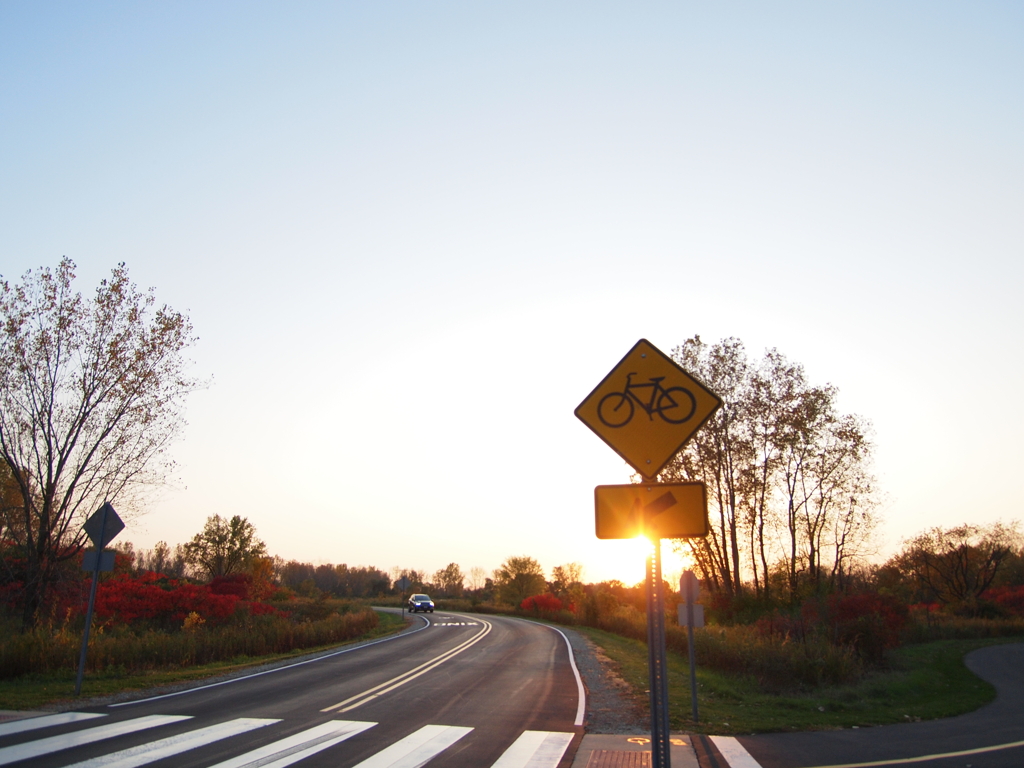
(417, 579)
(956, 565)
(224, 547)
(567, 582)
(519, 578)
(565, 576)
(449, 580)
(91, 396)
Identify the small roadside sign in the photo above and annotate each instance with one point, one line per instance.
(655, 510)
(689, 587)
(106, 560)
(684, 613)
(403, 583)
(647, 408)
(104, 525)
(101, 527)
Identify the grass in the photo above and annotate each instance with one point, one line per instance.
(923, 682)
(37, 691)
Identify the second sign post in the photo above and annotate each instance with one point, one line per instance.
(647, 409)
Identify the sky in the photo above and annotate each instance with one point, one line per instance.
(413, 237)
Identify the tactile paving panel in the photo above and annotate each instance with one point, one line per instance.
(608, 758)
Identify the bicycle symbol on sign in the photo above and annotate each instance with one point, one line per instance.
(676, 405)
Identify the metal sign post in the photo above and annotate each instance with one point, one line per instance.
(656, 659)
(403, 584)
(690, 588)
(102, 527)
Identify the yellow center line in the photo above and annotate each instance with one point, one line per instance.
(412, 674)
(926, 758)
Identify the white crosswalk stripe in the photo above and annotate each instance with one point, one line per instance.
(301, 745)
(88, 736)
(34, 723)
(174, 745)
(417, 748)
(535, 749)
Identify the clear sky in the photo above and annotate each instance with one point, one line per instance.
(413, 236)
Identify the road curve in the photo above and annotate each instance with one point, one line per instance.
(990, 737)
(465, 691)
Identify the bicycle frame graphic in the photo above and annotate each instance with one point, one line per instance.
(676, 405)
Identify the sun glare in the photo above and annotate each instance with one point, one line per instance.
(626, 560)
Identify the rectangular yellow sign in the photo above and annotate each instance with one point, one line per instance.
(655, 510)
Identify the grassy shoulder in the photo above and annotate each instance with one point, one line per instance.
(41, 691)
(924, 681)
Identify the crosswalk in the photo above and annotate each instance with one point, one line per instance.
(532, 749)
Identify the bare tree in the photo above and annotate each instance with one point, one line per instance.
(91, 396)
(719, 455)
(477, 578)
(787, 475)
(161, 559)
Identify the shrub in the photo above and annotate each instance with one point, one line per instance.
(42, 651)
(869, 623)
(1010, 599)
(236, 584)
(541, 604)
(158, 601)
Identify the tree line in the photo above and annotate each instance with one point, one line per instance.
(226, 547)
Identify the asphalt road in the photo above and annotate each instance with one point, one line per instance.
(462, 692)
(991, 737)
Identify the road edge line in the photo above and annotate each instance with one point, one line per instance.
(581, 708)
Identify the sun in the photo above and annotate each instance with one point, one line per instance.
(625, 560)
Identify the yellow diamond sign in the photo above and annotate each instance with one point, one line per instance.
(647, 408)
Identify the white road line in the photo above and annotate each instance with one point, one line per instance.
(426, 624)
(406, 677)
(535, 749)
(734, 753)
(417, 748)
(87, 736)
(173, 745)
(929, 758)
(581, 692)
(32, 723)
(301, 745)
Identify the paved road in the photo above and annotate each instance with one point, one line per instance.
(991, 737)
(462, 692)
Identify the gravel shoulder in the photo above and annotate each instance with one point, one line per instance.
(612, 708)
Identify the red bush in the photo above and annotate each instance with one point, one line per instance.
(869, 622)
(1010, 599)
(542, 603)
(236, 584)
(154, 597)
